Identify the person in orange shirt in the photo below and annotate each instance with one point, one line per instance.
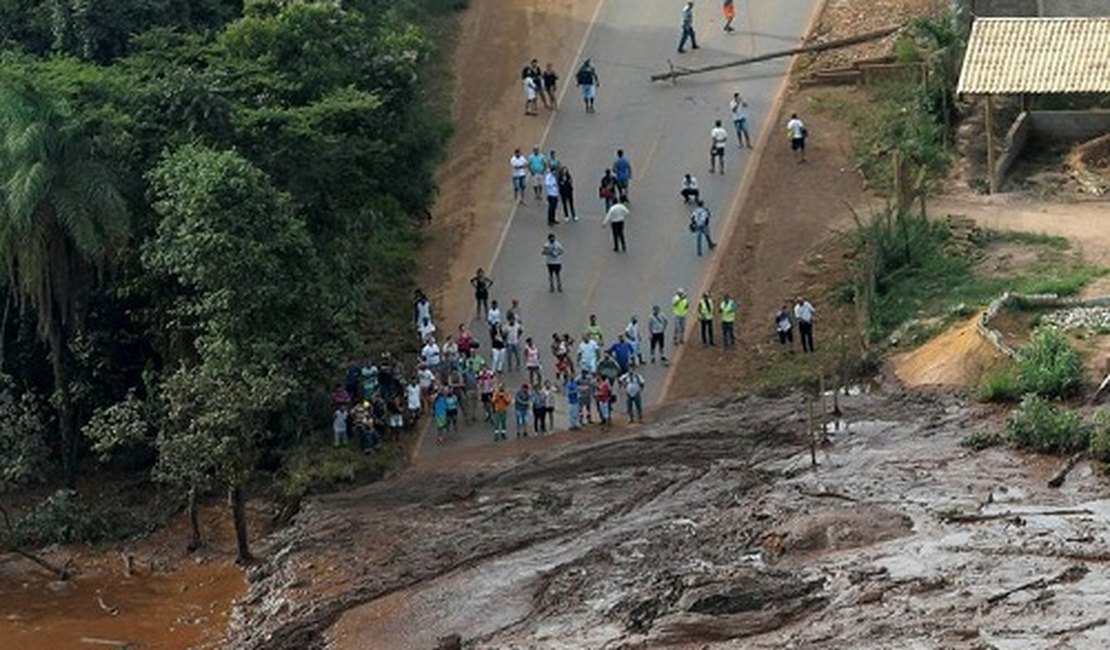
(501, 401)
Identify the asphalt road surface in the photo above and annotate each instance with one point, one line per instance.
(664, 131)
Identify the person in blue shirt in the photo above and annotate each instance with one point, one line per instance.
(522, 401)
(573, 416)
(622, 351)
(622, 170)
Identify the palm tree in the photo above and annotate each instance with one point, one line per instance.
(62, 218)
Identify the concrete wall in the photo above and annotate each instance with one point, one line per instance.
(1048, 126)
(1047, 8)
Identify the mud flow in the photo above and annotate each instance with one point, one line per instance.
(710, 529)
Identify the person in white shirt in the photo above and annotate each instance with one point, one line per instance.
(531, 92)
(633, 384)
(412, 396)
(689, 191)
(519, 165)
(796, 129)
(784, 327)
(615, 219)
(426, 329)
(588, 351)
(803, 313)
(553, 255)
(493, 316)
(699, 225)
(718, 138)
(632, 335)
(551, 190)
(739, 109)
(431, 354)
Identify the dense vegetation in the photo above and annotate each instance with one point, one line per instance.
(206, 208)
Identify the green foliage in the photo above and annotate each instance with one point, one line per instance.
(117, 425)
(1038, 425)
(312, 469)
(1049, 366)
(1002, 386)
(22, 451)
(980, 440)
(1100, 437)
(1070, 283)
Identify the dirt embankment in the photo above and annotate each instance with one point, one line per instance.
(708, 528)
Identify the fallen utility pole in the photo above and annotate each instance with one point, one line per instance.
(674, 73)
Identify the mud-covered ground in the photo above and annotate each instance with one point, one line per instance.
(709, 529)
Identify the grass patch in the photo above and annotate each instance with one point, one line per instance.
(313, 469)
(1038, 425)
(981, 440)
(1047, 366)
(1029, 239)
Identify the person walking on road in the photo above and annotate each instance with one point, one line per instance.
(632, 382)
(550, 81)
(728, 308)
(699, 225)
(688, 29)
(657, 331)
(796, 129)
(607, 190)
(566, 194)
(680, 307)
(553, 254)
(531, 76)
(522, 402)
(519, 164)
(738, 107)
(705, 318)
(500, 402)
(588, 83)
(551, 190)
(803, 313)
(481, 283)
(784, 327)
(718, 138)
(729, 9)
(622, 170)
(615, 219)
(689, 189)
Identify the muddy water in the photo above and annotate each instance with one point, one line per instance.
(187, 608)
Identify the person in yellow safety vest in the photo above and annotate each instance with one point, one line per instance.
(728, 322)
(705, 318)
(681, 305)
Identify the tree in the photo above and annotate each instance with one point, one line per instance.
(243, 262)
(62, 220)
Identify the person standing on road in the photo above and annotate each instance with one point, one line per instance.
(705, 318)
(729, 9)
(500, 401)
(680, 307)
(522, 401)
(553, 253)
(615, 219)
(588, 83)
(514, 334)
(738, 107)
(550, 396)
(531, 91)
(633, 384)
(537, 167)
(493, 316)
(803, 313)
(594, 331)
(551, 190)
(532, 361)
(688, 28)
(657, 330)
(539, 409)
(622, 170)
(485, 388)
(607, 190)
(481, 283)
(587, 390)
(588, 351)
(728, 308)
(689, 190)
(796, 129)
(550, 81)
(519, 164)
(699, 225)
(784, 327)
(566, 194)
(573, 414)
(718, 138)
(632, 333)
(604, 395)
(497, 349)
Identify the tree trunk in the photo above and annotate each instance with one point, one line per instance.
(68, 444)
(195, 541)
(238, 511)
(4, 327)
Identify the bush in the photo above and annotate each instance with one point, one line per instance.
(1038, 425)
(980, 440)
(1100, 437)
(1002, 386)
(1049, 366)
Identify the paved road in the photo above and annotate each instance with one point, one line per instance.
(664, 130)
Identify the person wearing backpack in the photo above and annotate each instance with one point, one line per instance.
(588, 82)
(633, 384)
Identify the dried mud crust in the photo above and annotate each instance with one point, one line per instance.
(708, 530)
